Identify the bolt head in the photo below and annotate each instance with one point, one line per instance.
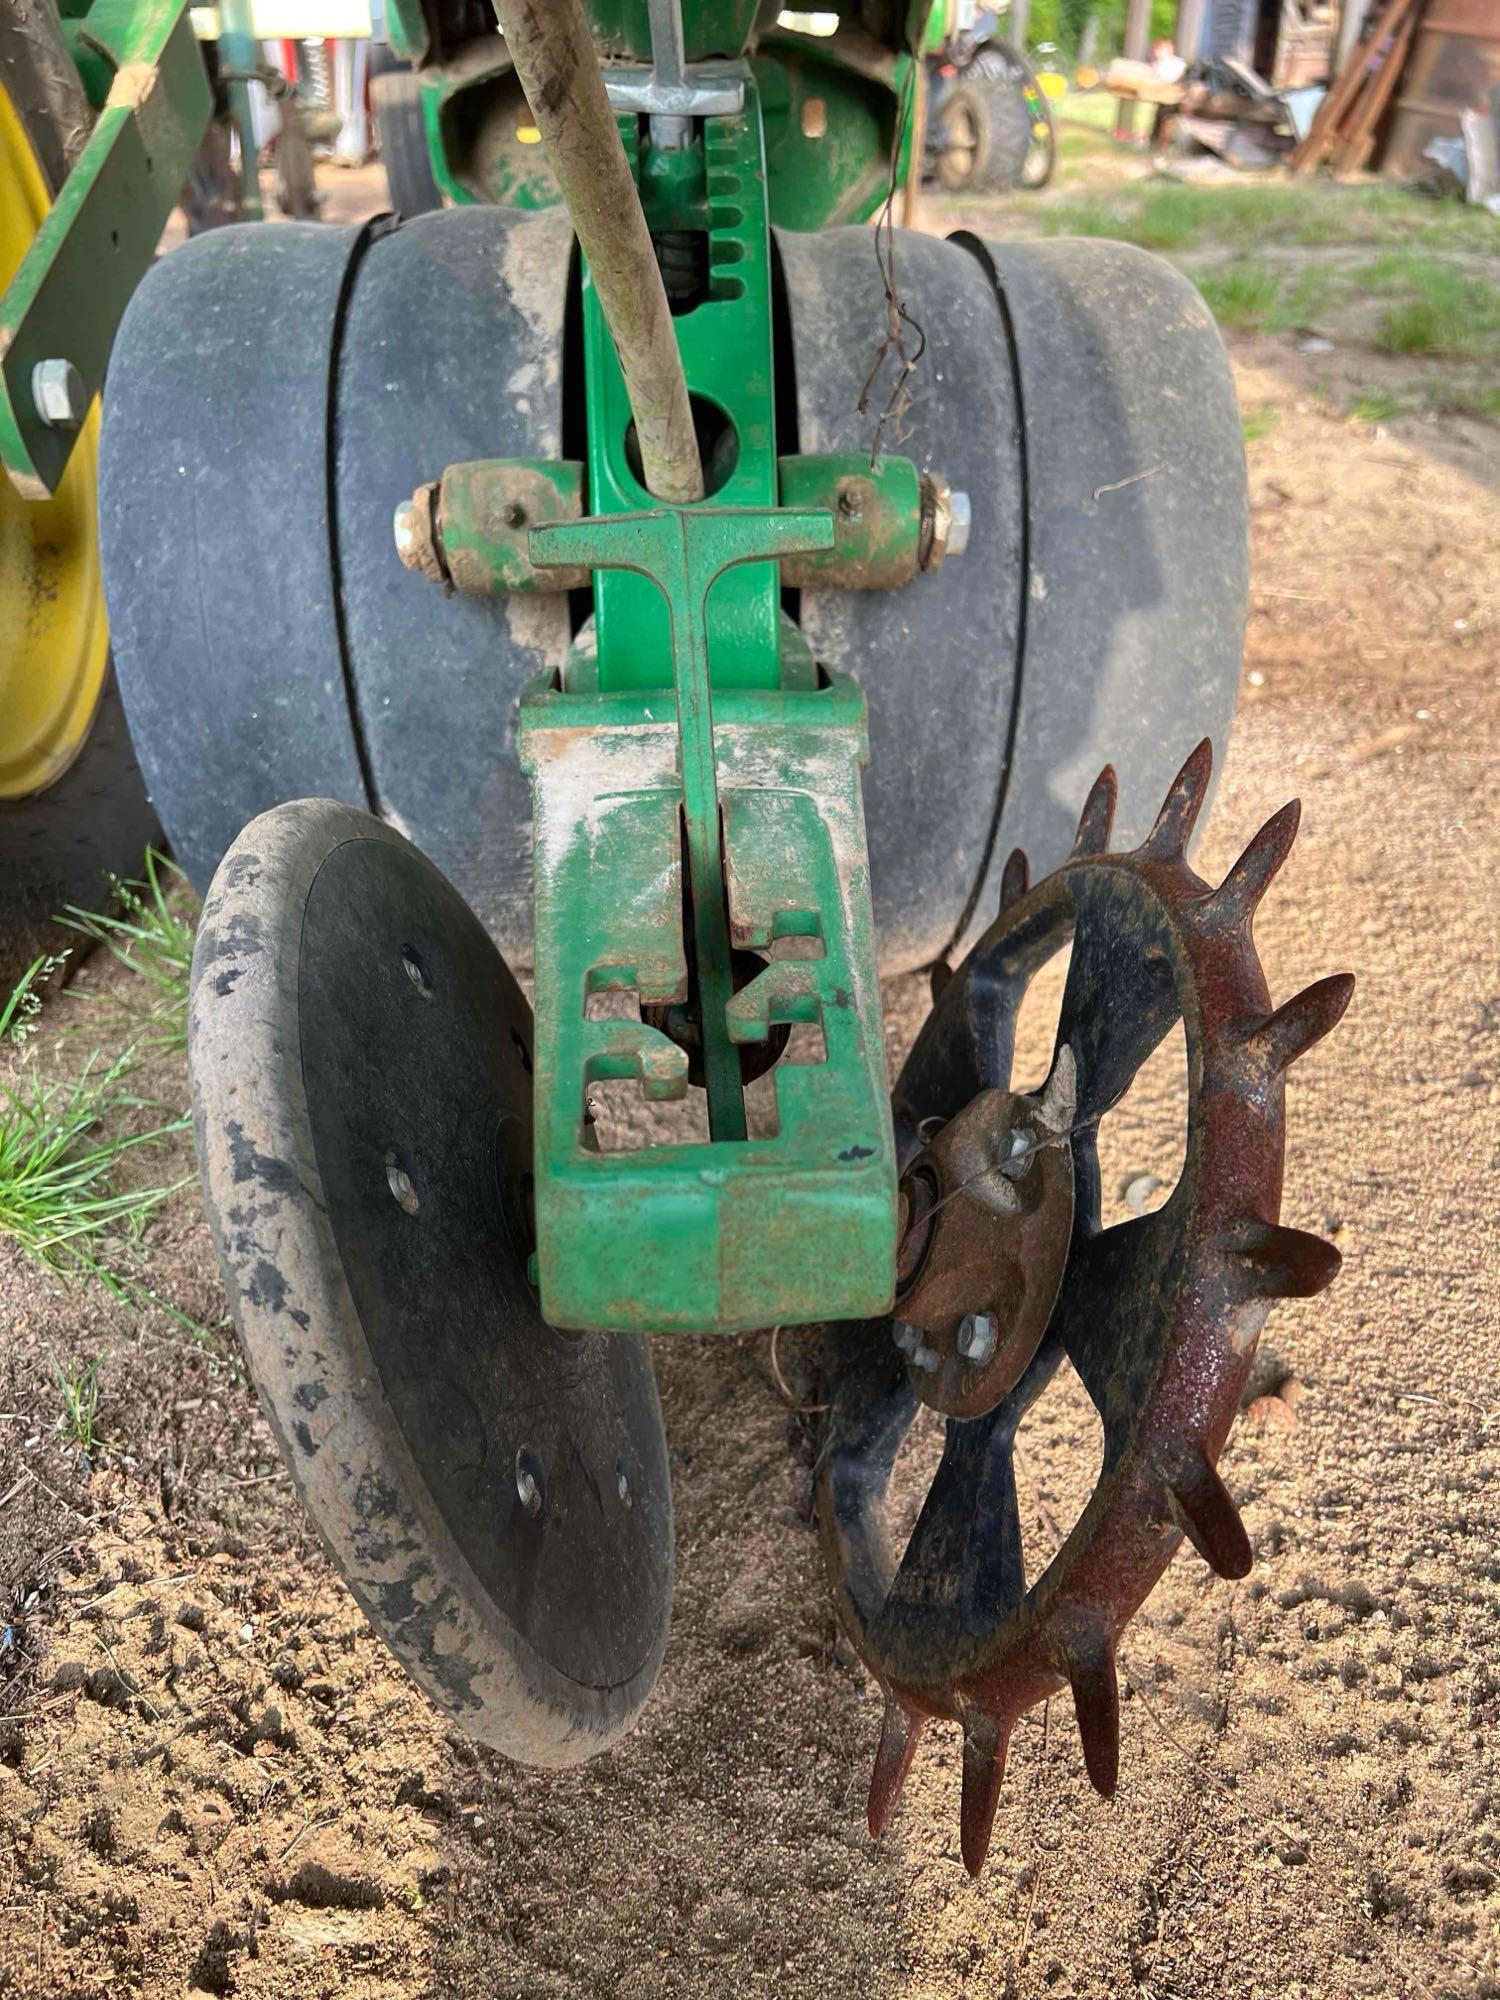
(407, 526)
(57, 390)
(906, 1336)
(978, 1336)
(961, 521)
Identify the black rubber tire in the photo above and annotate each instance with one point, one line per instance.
(361, 1069)
(401, 137)
(69, 843)
(221, 591)
(1004, 62)
(1089, 621)
(993, 115)
(1051, 371)
(1137, 537)
(451, 349)
(277, 391)
(937, 658)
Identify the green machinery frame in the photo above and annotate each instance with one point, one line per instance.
(695, 777)
(141, 68)
(698, 830)
(831, 105)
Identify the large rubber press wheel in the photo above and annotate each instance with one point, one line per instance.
(73, 807)
(496, 1492)
(275, 393)
(1079, 392)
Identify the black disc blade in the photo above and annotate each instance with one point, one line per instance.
(496, 1492)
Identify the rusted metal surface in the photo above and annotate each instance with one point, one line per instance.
(486, 510)
(987, 1220)
(1453, 67)
(1159, 1316)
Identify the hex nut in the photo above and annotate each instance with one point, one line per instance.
(414, 526)
(57, 390)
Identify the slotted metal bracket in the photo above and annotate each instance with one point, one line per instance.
(66, 300)
(760, 790)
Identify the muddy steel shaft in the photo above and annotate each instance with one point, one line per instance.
(557, 63)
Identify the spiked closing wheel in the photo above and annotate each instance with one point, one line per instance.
(495, 1492)
(1159, 1315)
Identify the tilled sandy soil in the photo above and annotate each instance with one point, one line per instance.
(212, 1778)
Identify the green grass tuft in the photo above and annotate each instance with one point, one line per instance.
(1244, 298)
(1259, 421)
(1436, 309)
(1378, 408)
(62, 1146)
(80, 1398)
(155, 942)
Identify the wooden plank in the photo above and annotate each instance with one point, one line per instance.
(1361, 135)
(1345, 89)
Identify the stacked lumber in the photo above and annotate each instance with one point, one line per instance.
(1343, 132)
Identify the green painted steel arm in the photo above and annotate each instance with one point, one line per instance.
(67, 299)
(683, 553)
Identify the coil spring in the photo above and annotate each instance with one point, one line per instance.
(315, 74)
(683, 257)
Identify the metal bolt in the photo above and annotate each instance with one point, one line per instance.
(401, 1185)
(978, 1336)
(850, 501)
(1015, 1153)
(527, 1486)
(416, 972)
(415, 529)
(513, 514)
(408, 529)
(57, 390)
(961, 520)
(946, 520)
(906, 1336)
(927, 1360)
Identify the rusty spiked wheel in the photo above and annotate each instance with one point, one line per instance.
(1159, 1315)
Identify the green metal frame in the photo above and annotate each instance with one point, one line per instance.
(696, 801)
(831, 109)
(75, 281)
(718, 187)
(759, 790)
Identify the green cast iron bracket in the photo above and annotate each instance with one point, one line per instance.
(471, 529)
(681, 555)
(74, 283)
(760, 789)
(715, 189)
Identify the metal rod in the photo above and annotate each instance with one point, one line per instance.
(239, 52)
(555, 59)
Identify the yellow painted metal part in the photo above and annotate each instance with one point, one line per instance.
(54, 642)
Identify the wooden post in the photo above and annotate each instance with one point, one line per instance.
(1137, 49)
(1350, 22)
(1020, 21)
(911, 194)
(1189, 36)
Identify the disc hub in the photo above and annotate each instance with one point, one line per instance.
(987, 1215)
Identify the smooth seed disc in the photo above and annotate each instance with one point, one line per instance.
(361, 1069)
